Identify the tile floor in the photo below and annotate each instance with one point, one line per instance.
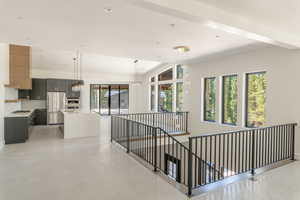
(50, 168)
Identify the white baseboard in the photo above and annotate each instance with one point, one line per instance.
(297, 156)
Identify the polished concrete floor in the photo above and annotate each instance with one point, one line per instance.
(50, 168)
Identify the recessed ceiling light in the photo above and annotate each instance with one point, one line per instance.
(182, 49)
(108, 10)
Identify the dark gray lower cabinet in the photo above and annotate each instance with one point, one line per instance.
(40, 117)
(16, 129)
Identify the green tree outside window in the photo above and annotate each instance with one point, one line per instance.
(229, 106)
(256, 99)
(210, 99)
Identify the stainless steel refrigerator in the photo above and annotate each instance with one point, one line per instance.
(55, 103)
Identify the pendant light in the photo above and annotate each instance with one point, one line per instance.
(77, 73)
(135, 66)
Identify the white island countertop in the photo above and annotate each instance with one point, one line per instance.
(24, 114)
(81, 124)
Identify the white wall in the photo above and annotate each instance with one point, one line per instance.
(4, 75)
(283, 98)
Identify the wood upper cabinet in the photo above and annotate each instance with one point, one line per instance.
(20, 67)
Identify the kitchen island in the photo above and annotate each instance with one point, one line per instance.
(80, 124)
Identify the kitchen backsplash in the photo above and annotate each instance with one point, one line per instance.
(11, 94)
(33, 104)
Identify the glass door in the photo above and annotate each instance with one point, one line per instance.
(114, 99)
(104, 99)
(165, 98)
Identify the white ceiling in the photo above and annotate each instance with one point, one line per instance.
(270, 21)
(283, 14)
(56, 29)
(62, 61)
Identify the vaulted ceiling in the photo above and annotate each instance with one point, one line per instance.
(116, 32)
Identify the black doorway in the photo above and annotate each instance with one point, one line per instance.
(173, 167)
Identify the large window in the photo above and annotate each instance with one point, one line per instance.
(94, 100)
(114, 99)
(255, 99)
(104, 99)
(166, 75)
(210, 99)
(109, 99)
(179, 97)
(229, 100)
(167, 87)
(179, 72)
(124, 99)
(165, 100)
(152, 98)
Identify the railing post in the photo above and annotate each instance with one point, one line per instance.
(155, 148)
(253, 153)
(190, 168)
(111, 128)
(153, 123)
(186, 122)
(293, 142)
(128, 135)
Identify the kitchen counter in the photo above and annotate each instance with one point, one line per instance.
(81, 124)
(27, 114)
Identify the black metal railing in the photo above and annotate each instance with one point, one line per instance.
(204, 159)
(154, 145)
(171, 122)
(238, 152)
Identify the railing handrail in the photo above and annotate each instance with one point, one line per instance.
(149, 113)
(180, 144)
(165, 132)
(241, 130)
(133, 121)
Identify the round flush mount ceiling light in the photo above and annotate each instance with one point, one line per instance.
(182, 49)
(108, 10)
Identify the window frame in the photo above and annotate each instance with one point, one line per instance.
(246, 96)
(155, 99)
(109, 97)
(204, 99)
(166, 70)
(173, 82)
(176, 69)
(158, 96)
(176, 95)
(222, 100)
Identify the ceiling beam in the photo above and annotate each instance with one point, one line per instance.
(196, 11)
